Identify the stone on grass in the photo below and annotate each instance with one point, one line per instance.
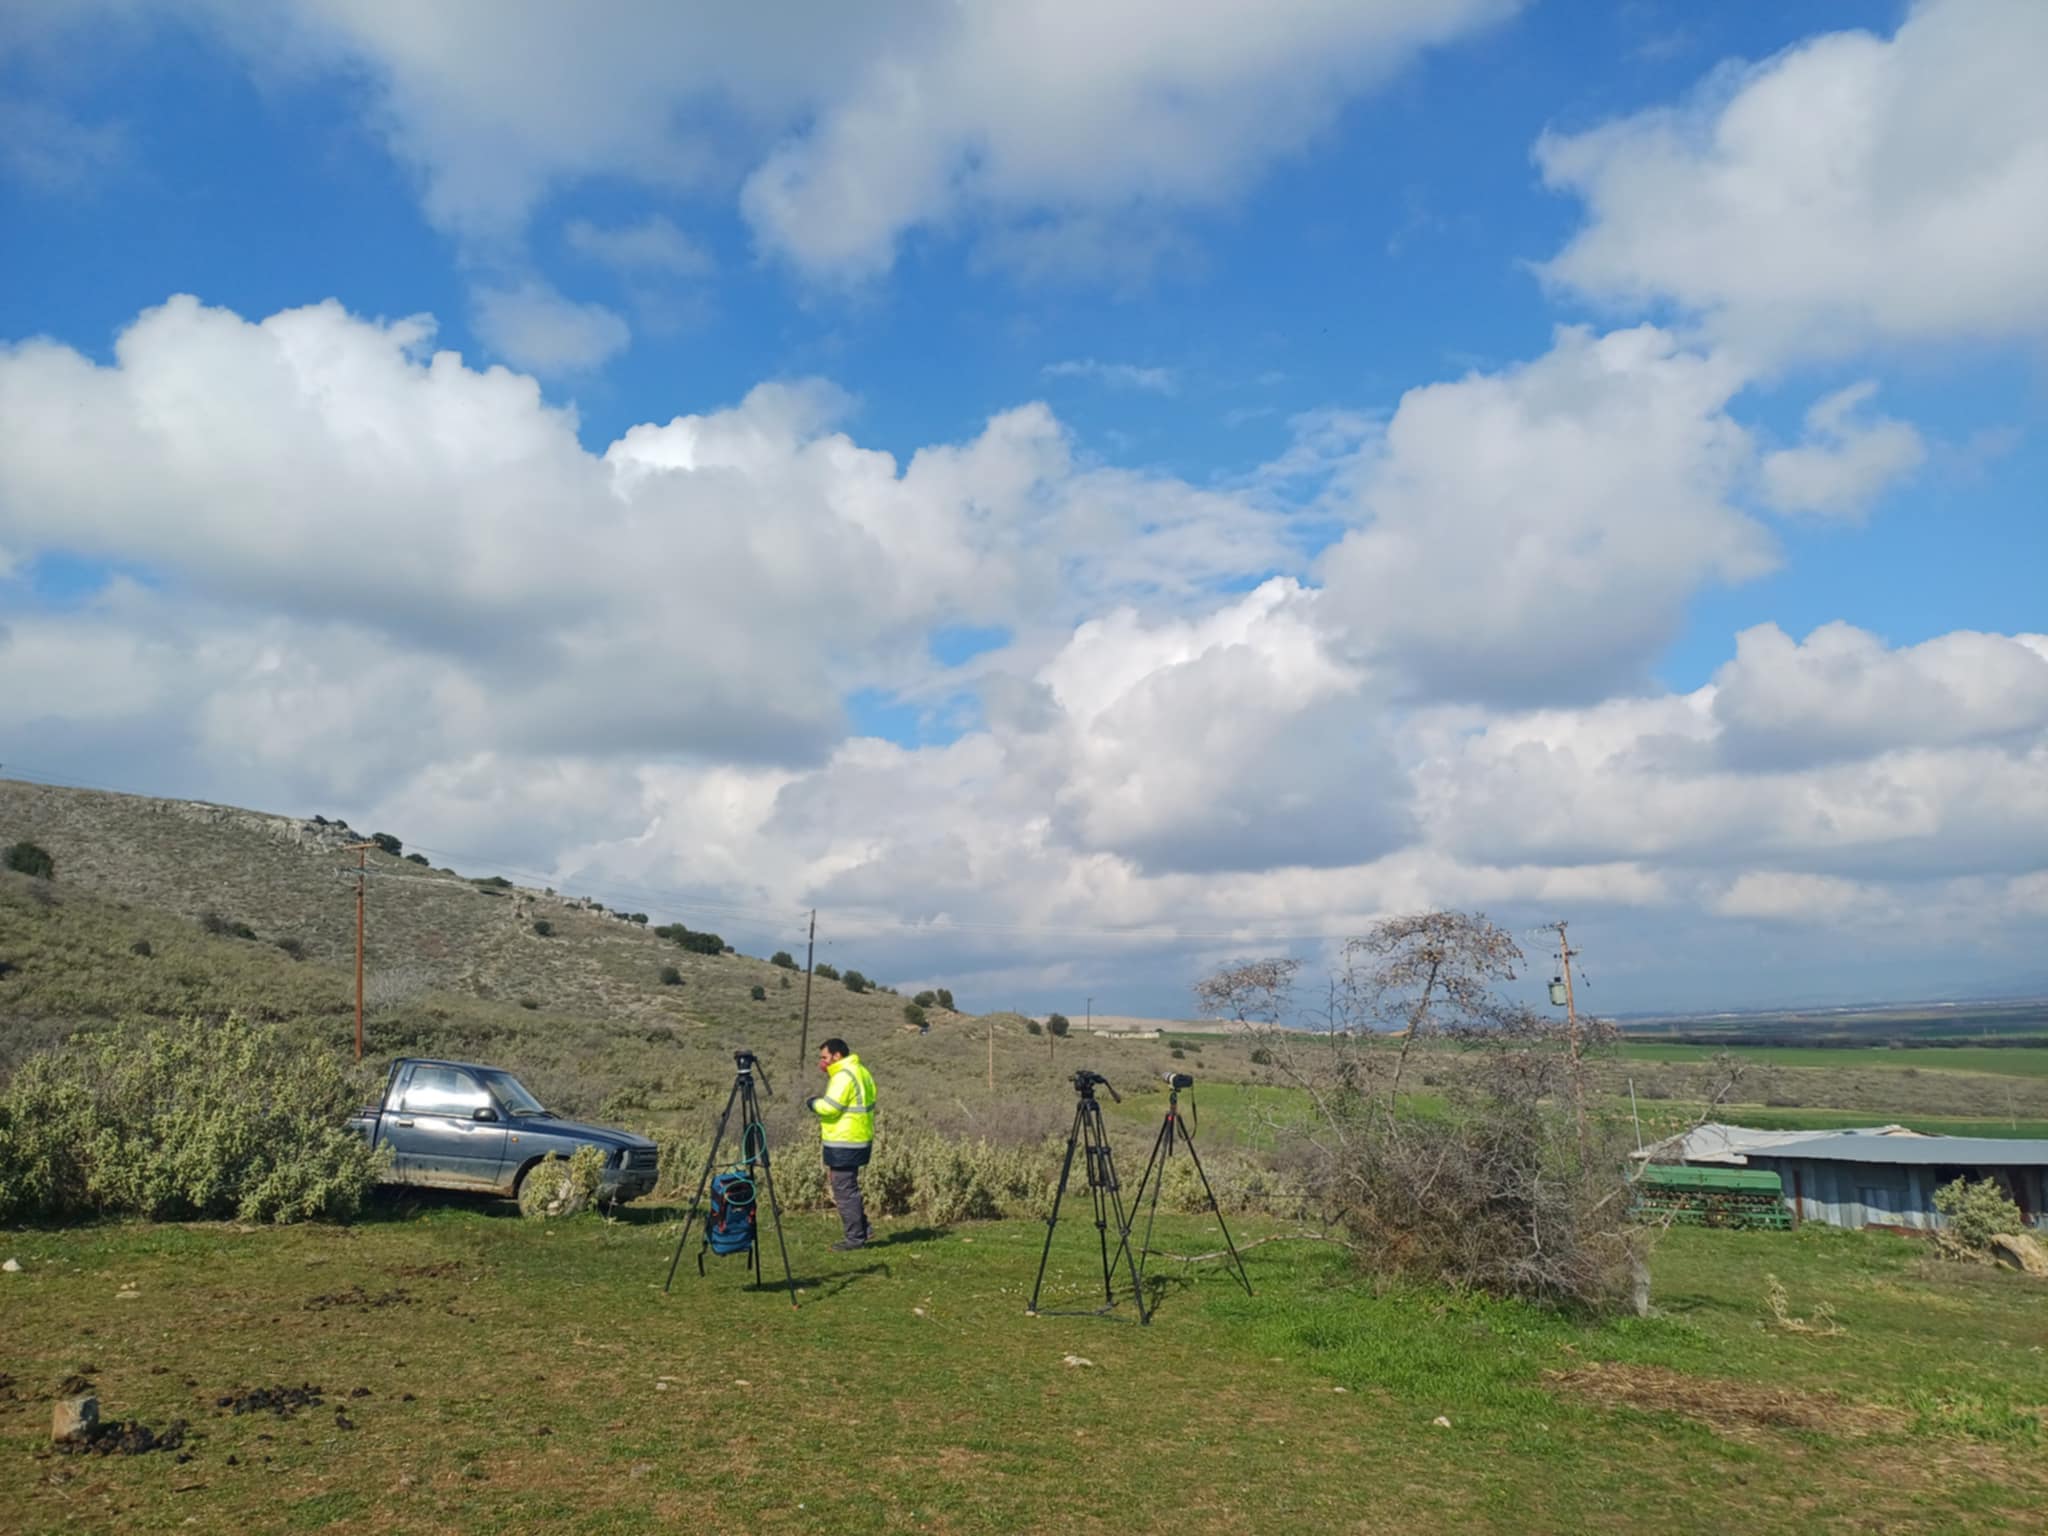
(73, 1418)
(12, 1266)
(2016, 1250)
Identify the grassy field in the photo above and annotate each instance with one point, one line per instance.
(2009, 1061)
(523, 1376)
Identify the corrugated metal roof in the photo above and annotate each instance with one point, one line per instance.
(1713, 1142)
(1916, 1151)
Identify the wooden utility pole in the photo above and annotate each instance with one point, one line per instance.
(810, 954)
(362, 853)
(991, 1055)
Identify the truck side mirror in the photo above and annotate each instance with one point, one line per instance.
(484, 1112)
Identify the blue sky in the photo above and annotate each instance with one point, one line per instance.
(1226, 310)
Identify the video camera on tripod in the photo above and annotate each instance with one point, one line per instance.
(1086, 1082)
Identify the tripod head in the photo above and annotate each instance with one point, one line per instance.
(1086, 1082)
(749, 1065)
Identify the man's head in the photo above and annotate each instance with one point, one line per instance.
(831, 1053)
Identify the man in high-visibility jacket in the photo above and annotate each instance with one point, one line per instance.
(846, 1124)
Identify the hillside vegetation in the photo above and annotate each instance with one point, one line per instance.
(141, 923)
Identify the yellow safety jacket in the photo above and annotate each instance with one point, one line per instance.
(846, 1111)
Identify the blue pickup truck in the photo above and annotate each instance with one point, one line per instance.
(459, 1125)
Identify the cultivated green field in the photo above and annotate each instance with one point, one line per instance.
(533, 1377)
(2010, 1061)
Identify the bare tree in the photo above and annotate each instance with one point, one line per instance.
(1493, 1185)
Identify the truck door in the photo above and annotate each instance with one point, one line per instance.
(435, 1135)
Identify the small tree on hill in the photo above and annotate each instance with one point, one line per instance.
(1033, 1027)
(416, 858)
(387, 843)
(855, 982)
(825, 971)
(913, 1013)
(1057, 1027)
(784, 959)
(945, 996)
(758, 993)
(925, 999)
(28, 859)
(671, 977)
(543, 927)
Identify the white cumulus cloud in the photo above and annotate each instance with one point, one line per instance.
(1853, 189)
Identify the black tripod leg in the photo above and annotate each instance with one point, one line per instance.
(1112, 1193)
(1157, 1161)
(774, 1209)
(1058, 1194)
(1214, 1205)
(1102, 1182)
(703, 1182)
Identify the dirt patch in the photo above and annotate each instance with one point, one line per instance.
(356, 1296)
(77, 1384)
(1736, 1408)
(439, 1269)
(134, 1438)
(282, 1401)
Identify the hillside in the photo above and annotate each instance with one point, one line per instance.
(456, 967)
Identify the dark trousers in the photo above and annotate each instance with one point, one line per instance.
(842, 1176)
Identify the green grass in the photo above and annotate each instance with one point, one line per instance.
(2013, 1061)
(557, 1388)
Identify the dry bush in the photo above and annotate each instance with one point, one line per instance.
(1514, 1189)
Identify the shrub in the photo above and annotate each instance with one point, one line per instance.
(387, 843)
(638, 917)
(1033, 1027)
(945, 996)
(855, 982)
(543, 927)
(553, 1187)
(1058, 1025)
(785, 983)
(825, 971)
(1977, 1212)
(203, 1118)
(141, 947)
(1261, 1057)
(925, 999)
(671, 977)
(492, 882)
(783, 958)
(695, 943)
(213, 922)
(1178, 1054)
(758, 993)
(28, 859)
(241, 930)
(530, 1004)
(661, 1034)
(417, 858)
(293, 947)
(913, 1013)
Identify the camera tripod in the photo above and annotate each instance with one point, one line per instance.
(1170, 1131)
(1090, 1136)
(753, 1154)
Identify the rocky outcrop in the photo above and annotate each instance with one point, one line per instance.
(2016, 1250)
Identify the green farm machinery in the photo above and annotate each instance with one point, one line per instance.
(1711, 1197)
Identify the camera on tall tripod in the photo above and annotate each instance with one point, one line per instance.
(1091, 1138)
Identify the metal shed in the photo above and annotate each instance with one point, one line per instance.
(1856, 1180)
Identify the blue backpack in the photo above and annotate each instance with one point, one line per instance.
(730, 1227)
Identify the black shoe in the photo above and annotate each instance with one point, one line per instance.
(848, 1244)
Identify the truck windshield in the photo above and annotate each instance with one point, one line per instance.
(512, 1093)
